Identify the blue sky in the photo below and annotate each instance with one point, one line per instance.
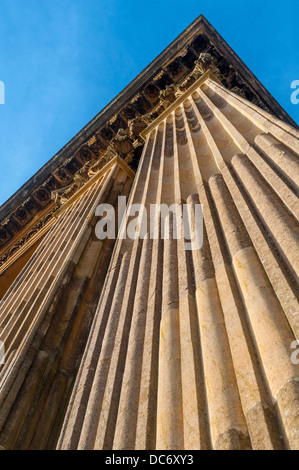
(62, 61)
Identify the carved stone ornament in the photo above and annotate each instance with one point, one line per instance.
(204, 62)
(121, 144)
(25, 238)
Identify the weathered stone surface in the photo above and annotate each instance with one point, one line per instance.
(142, 344)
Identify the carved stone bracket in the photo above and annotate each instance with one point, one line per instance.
(204, 62)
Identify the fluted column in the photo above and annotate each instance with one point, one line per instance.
(43, 307)
(198, 354)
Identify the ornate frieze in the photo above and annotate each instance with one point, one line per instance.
(27, 236)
